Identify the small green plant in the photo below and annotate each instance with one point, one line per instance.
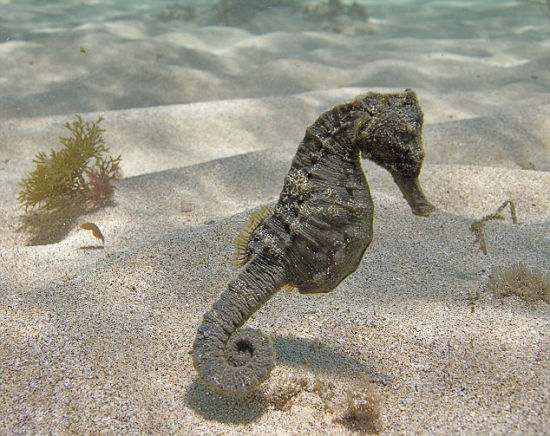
(531, 284)
(81, 173)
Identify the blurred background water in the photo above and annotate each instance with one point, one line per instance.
(69, 56)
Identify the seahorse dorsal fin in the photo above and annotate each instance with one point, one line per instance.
(242, 252)
(287, 288)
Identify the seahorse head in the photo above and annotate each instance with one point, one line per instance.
(389, 132)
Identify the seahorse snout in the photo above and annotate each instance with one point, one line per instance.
(412, 191)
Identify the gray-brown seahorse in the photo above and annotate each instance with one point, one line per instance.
(318, 231)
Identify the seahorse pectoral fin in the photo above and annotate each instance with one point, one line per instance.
(412, 191)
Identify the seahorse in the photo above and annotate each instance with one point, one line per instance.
(318, 231)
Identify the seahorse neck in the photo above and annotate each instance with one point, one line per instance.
(330, 137)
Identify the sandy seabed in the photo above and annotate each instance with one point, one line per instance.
(207, 117)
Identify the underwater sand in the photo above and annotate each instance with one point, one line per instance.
(207, 120)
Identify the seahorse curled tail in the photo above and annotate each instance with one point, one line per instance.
(227, 358)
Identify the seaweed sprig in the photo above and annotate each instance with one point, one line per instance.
(79, 173)
(477, 225)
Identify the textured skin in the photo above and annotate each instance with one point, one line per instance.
(318, 231)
